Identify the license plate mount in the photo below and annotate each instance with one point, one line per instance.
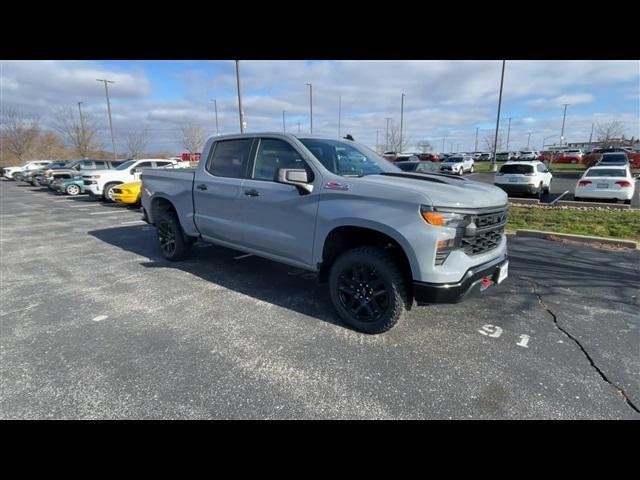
(502, 272)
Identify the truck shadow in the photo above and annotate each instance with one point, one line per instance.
(262, 279)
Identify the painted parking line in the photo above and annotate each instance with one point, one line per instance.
(100, 213)
(133, 222)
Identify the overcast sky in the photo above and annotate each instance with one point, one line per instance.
(443, 98)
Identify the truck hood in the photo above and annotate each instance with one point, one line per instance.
(443, 190)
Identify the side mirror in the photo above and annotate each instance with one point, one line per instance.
(296, 177)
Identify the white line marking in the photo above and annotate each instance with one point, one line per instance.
(243, 256)
(100, 213)
(99, 318)
(87, 205)
(524, 341)
(132, 223)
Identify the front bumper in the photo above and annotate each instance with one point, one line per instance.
(92, 189)
(474, 281)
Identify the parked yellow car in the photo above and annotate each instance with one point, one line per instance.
(128, 193)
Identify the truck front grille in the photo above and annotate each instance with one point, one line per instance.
(482, 242)
(489, 234)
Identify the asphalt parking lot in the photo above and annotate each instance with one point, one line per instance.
(561, 182)
(95, 324)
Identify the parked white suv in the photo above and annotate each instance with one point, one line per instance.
(100, 183)
(528, 177)
(528, 155)
(458, 164)
(12, 172)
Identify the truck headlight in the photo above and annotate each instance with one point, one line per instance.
(441, 219)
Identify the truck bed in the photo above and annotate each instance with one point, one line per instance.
(171, 183)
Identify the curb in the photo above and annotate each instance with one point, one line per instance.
(578, 238)
(615, 206)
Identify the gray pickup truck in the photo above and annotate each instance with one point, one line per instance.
(380, 237)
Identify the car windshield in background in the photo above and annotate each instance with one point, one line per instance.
(607, 172)
(516, 169)
(453, 160)
(621, 158)
(347, 158)
(125, 165)
(407, 166)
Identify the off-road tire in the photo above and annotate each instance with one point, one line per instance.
(388, 272)
(174, 244)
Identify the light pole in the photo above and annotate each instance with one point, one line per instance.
(240, 112)
(106, 90)
(451, 149)
(545, 139)
(82, 132)
(215, 108)
(508, 132)
(494, 167)
(377, 141)
(387, 145)
(401, 117)
(339, 112)
(284, 128)
(443, 139)
(310, 105)
(475, 148)
(564, 116)
(528, 140)
(591, 136)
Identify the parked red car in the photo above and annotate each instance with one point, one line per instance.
(190, 157)
(569, 156)
(432, 157)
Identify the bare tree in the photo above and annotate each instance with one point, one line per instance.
(81, 133)
(19, 133)
(49, 146)
(394, 138)
(192, 136)
(136, 141)
(488, 142)
(609, 131)
(424, 146)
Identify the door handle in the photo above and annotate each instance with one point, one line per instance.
(202, 186)
(252, 193)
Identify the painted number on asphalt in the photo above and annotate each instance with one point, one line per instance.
(524, 341)
(491, 331)
(495, 332)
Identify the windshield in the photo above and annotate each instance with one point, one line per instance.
(516, 169)
(348, 159)
(125, 165)
(453, 160)
(622, 158)
(607, 172)
(407, 166)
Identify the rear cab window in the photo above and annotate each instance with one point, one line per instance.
(229, 158)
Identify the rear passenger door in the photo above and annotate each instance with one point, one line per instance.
(278, 219)
(217, 187)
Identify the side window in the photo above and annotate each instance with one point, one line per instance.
(230, 158)
(100, 164)
(541, 168)
(89, 165)
(162, 164)
(273, 155)
(142, 165)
